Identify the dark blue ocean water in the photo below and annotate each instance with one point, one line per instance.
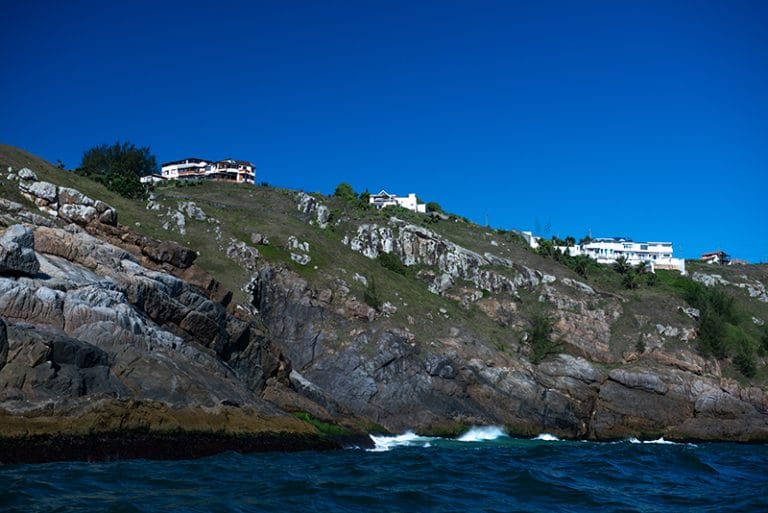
(486, 472)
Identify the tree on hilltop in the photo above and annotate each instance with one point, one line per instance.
(119, 167)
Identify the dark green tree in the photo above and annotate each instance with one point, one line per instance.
(540, 330)
(345, 191)
(433, 206)
(622, 266)
(119, 167)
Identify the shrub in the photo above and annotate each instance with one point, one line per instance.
(392, 262)
(345, 191)
(764, 340)
(540, 329)
(371, 295)
(433, 206)
(622, 266)
(712, 335)
(745, 362)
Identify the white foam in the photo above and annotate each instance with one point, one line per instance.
(482, 434)
(659, 441)
(547, 437)
(407, 439)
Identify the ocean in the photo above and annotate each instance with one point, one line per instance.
(484, 470)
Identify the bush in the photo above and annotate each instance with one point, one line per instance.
(392, 262)
(540, 329)
(345, 191)
(119, 167)
(745, 362)
(712, 335)
(371, 295)
(433, 206)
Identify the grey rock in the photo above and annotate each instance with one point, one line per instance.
(44, 190)
(3, 344)
(296, 244)
(259, 239)
(27, 174)
(69, 196)
(80, 214)
(639, 379)
(17, 254)
(191, 210)
(245, 255)
(300, 259)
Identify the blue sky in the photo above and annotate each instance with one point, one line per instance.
(643, 119)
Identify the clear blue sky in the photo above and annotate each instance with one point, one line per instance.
(638, 118)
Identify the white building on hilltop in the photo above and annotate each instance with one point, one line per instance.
(657, 255)
(384, 199)
(228, 170)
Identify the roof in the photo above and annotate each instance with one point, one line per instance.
(194, 160)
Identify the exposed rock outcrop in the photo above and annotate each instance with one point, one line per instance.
(94, 322)
(17, 255)
(69, 204)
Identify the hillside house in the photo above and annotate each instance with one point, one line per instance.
(715, 257)
(228, 170)
(656, 255)
(384, 199)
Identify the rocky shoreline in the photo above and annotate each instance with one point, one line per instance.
(117, 345)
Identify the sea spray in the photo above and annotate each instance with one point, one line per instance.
(482, 434)
(407, 439)
(547, 437)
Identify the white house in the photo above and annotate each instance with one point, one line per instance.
(657, 255)
(384, 199)
(230, 170)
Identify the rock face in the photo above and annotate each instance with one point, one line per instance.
(416, 245)
(64, 202)
(93, 312)
(403, 383)
(17, 255)
(95, 323)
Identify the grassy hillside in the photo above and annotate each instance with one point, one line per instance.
(234, 212)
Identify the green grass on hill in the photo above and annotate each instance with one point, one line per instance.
(240, 210)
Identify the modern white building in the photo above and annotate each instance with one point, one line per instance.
(384, 199)
(657, 255)
(229, 170)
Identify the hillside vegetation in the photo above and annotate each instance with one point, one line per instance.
(234, 212)
(412, 319)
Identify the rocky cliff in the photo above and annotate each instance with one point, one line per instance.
(264, 301)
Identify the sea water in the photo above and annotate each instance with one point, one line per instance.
(483, 470)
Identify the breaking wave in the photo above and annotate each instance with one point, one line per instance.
(407, 439)
(546, 437)
(482, 434)
(659, 441)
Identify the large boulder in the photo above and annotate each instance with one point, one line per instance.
(17, 254)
